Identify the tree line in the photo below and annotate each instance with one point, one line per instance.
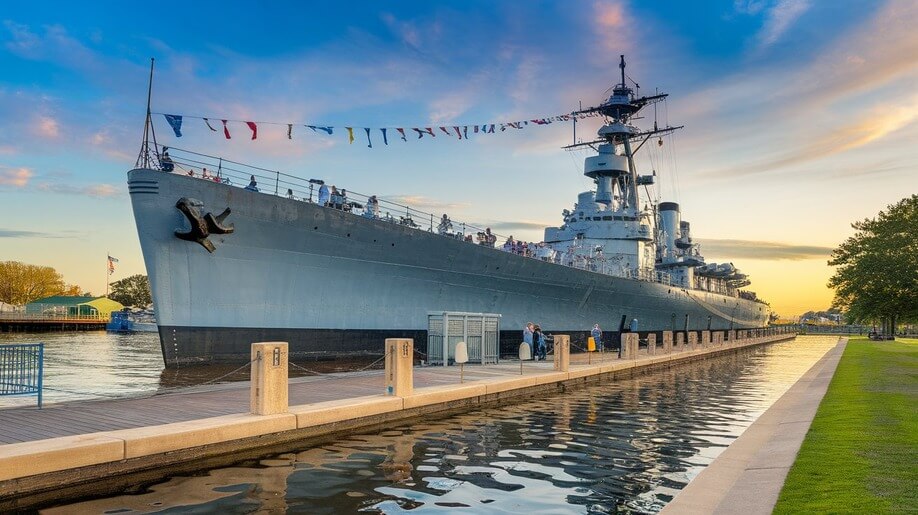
(876, 276)
(21, 283)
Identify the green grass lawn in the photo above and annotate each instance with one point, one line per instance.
(861, 452)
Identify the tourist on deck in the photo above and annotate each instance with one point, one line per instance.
(527, 338)
(446, 225)
(323, 195)
(335, 199)
(190, 172)
(510, 244)
(165, 161)
(344, 205)
(253, 186)
(290, 194)
(204, 174)
(596, 333)
(372, 207)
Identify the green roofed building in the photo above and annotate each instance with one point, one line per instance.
(61, 305)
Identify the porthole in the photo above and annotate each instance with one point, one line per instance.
(316, 228)
(348, 235)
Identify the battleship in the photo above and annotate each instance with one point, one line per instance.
(336, 275)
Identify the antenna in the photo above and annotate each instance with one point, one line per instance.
(144, 159)
(622, 66)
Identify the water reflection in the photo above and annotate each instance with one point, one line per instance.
(629, 445)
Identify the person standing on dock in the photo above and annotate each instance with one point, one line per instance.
(539, 340)
(527, 338)
(596, 333)
(633, 327)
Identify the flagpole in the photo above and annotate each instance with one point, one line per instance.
(107, 266)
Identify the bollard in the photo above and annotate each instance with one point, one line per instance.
(268, 392)
(462, 357)
(680, 342)
(525, 354)
(629, 345)
(692, 340)
(562, 352)
(731, 336)
(400, 367)
(667, 342)
(651, 344)
(705, 339)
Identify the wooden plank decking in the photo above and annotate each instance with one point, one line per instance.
(23, 424)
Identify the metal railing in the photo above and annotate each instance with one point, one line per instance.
(22, 369)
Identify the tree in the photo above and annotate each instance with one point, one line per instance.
(877, 268)
(21, 283)
(132, 291)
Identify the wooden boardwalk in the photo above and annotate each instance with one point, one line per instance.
(23, 424)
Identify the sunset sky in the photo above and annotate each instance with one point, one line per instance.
(800, 116)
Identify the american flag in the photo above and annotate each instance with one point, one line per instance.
(111, 264)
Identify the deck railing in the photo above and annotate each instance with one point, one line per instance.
(281, 184)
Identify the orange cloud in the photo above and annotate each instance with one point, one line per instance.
(15, 177)
(47, 127)
(611, 26)
(609, 15)
(872, 126)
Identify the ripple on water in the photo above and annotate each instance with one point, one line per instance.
(628, 445)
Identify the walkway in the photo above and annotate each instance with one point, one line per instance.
(24, 424)
(748, 476)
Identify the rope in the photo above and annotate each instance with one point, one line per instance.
(332, 375)
(158, 392)
(221, 377)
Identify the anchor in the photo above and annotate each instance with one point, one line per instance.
(201, 227)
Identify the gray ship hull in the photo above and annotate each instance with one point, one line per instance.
(333, 283)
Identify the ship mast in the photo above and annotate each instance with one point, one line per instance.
(618, 133)
(144, 158)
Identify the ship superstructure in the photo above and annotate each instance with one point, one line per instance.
(229, 265)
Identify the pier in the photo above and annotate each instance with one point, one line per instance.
(97, 447)
(38, 322)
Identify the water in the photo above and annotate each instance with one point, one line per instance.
(86, 365)
(629, 445)
(93, 364)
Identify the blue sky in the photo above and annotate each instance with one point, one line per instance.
(797, 113)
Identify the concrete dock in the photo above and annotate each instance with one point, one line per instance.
(101, 447)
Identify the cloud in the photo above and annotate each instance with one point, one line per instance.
(766, 250)
(780, 18)
(422, 202)
(872, 126)
(612, 27)
(519, 226)
(11, 233)
(91, 190)
(46, 127)
(15, 177)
